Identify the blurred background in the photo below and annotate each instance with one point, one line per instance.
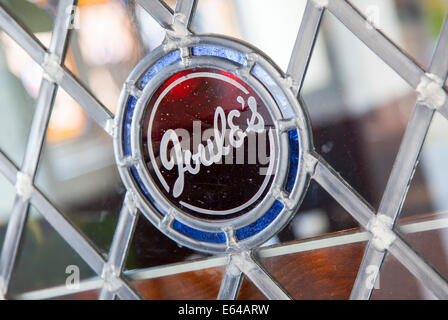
(359, 109)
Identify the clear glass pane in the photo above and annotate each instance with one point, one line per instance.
(77, 172)
(104, 48)
(150, 248)
(359, 114)
(428, 234)
(7, 192)
(326, 273)
(20, 79)
(425, 208)
(45, 259)
(395, 282)
(318, 214)
(196, 285)
(38, 19)
(249, 291)
(428, 191)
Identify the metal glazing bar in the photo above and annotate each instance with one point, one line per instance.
(419, 268)
(304, 45)
(415, 264)
(364, 283)
(11, 243)
(99, 113)
(68, 231)
(137, 26)
(379, 43)
(61, 31)
(444, 111)
(404, 168)
(8, 169)
(406, 161)
(396, 190)
(333, 183)
(217, 261)
(259, 276)
(126, 291)
(414, 138)
(17, 31)
(185, 9)
(37, 51)
(19, 212)
(47, 93)
(106, 294)
(439, 64)
(44, 105)
(120, 243)
(122, 237)
(231, 283)
(42, 111)
(159, 11)
(78, 242)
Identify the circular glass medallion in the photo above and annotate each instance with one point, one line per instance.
(210, 142)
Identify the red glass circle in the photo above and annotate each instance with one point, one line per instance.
(209, 143)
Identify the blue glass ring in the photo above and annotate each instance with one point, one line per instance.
(169, 75)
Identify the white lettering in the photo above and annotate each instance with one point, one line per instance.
(214, 150)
